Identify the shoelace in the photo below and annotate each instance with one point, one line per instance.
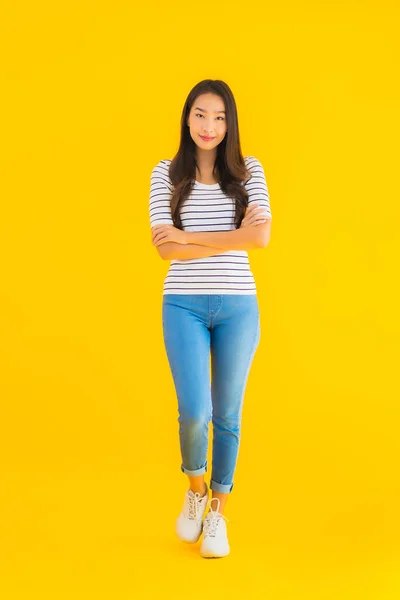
(194, 505)
(211, 521)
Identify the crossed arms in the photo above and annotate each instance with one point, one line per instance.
(209, 243)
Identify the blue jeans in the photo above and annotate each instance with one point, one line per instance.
(227, 326)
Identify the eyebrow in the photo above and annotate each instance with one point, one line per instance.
(202, 110)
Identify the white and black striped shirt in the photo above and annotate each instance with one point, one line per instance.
(207, 208)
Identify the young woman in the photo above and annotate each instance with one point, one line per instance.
(208, 206)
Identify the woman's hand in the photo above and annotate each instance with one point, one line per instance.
(254, 216)
(167, 233)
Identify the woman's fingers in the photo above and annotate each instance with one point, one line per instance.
(251, 207)
(252, 222)
(254, 215)
(257, 222)
(258, 215)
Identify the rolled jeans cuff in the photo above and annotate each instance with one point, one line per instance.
(195, 472)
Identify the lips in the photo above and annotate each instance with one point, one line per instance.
(206, 139)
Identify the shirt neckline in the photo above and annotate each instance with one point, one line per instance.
(210, 186)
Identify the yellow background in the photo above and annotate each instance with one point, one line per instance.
(91, 485)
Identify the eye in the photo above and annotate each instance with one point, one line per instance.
(200, 115)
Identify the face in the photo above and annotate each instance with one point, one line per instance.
(208, 119)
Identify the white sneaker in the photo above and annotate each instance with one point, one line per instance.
(189, 524)
(215, 538)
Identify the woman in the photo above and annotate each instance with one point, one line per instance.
(208, 206)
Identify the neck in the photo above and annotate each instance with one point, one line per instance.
(206, 159)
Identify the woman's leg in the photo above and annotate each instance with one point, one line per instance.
(197, 484)
(187, 342)
(235, 334)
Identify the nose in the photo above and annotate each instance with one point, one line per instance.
(208, 132)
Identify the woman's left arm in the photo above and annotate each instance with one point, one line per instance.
(244, 238)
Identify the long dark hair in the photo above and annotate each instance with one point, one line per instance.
(229, 164)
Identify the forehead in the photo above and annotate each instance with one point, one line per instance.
(209, 103)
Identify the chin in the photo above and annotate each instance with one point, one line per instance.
(209, 144)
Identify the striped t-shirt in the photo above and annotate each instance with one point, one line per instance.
(207, 208)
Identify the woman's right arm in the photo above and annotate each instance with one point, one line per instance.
(173, 250)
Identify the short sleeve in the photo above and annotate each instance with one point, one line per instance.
(160, 195)
(256, 187)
